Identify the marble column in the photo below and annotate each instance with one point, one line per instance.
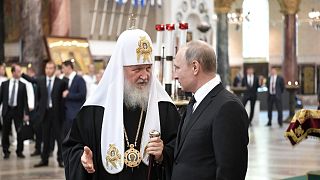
(222, 7)
(1, 32)
(32, 45)
(289, 9)
(60, 17)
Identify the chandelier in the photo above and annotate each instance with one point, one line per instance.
(237, 17)
(314, 17)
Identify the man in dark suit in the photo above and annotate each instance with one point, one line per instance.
(50, 111)
(275, 84)
(213, 135)
(74, 96)
(15, 107)
(251, 82)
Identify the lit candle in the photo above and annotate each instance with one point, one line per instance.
(183, 33)
(289, 83)
(296, 83)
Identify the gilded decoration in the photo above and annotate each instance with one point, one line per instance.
(144, 49)
(289, 7)
(222, 6)
(113, 156)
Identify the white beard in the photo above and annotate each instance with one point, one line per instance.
(135, 97)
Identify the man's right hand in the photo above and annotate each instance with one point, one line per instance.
(86, 160)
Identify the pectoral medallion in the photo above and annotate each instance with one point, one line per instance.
(132, 157)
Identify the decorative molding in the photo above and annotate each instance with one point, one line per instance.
(289, 7)
(222, 6)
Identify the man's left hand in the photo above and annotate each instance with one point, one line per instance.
(65, 93)
(155, 147)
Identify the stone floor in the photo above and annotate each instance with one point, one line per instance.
(271, 157)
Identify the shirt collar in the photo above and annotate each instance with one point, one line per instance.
(13, 79)
(72, 75)
(202, 92)
(52, 78)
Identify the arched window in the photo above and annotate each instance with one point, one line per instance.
(255, 30)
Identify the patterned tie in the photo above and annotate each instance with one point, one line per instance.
(13, 91)
(188, 113)
(49, 93)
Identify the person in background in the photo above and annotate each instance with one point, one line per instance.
(74, 95)
(13, 97)
(251, 82)
(237, 80)
(34, 119)
(3, 78)
(59, 74)
(90, 79)
(275, 84)
(50, 111)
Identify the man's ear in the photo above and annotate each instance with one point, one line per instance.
(195, 67)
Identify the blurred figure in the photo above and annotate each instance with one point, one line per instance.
(251, 82)
(275, 84)
(33, 113)
(50, 111)
(94, 85)
(90, 79)
(3, 78)
(75, 95)
(15, 107)
(237, 80)
(58, 73)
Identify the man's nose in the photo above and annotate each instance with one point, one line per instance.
(144, 74)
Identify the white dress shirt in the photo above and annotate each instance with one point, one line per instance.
(15, 92)
(71, 76)
(204, 90)
(273, 80)
(30, 93)
(47, 83)
(250, 80)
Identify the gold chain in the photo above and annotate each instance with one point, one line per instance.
(136, 139)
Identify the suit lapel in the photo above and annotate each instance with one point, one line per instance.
(179, 134)
(53, 86)
(195, 116)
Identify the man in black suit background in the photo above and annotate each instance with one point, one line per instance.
(74, 96)
(213, 135)
(15, 107)
(251, 82)
(275, 84)
(50, 111)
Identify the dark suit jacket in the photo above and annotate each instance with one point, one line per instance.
(279, 86)
(56, 94)
(214, 143)
(22, 103)
(251, 90)
(76, 97)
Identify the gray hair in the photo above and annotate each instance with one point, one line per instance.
(203, 53)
